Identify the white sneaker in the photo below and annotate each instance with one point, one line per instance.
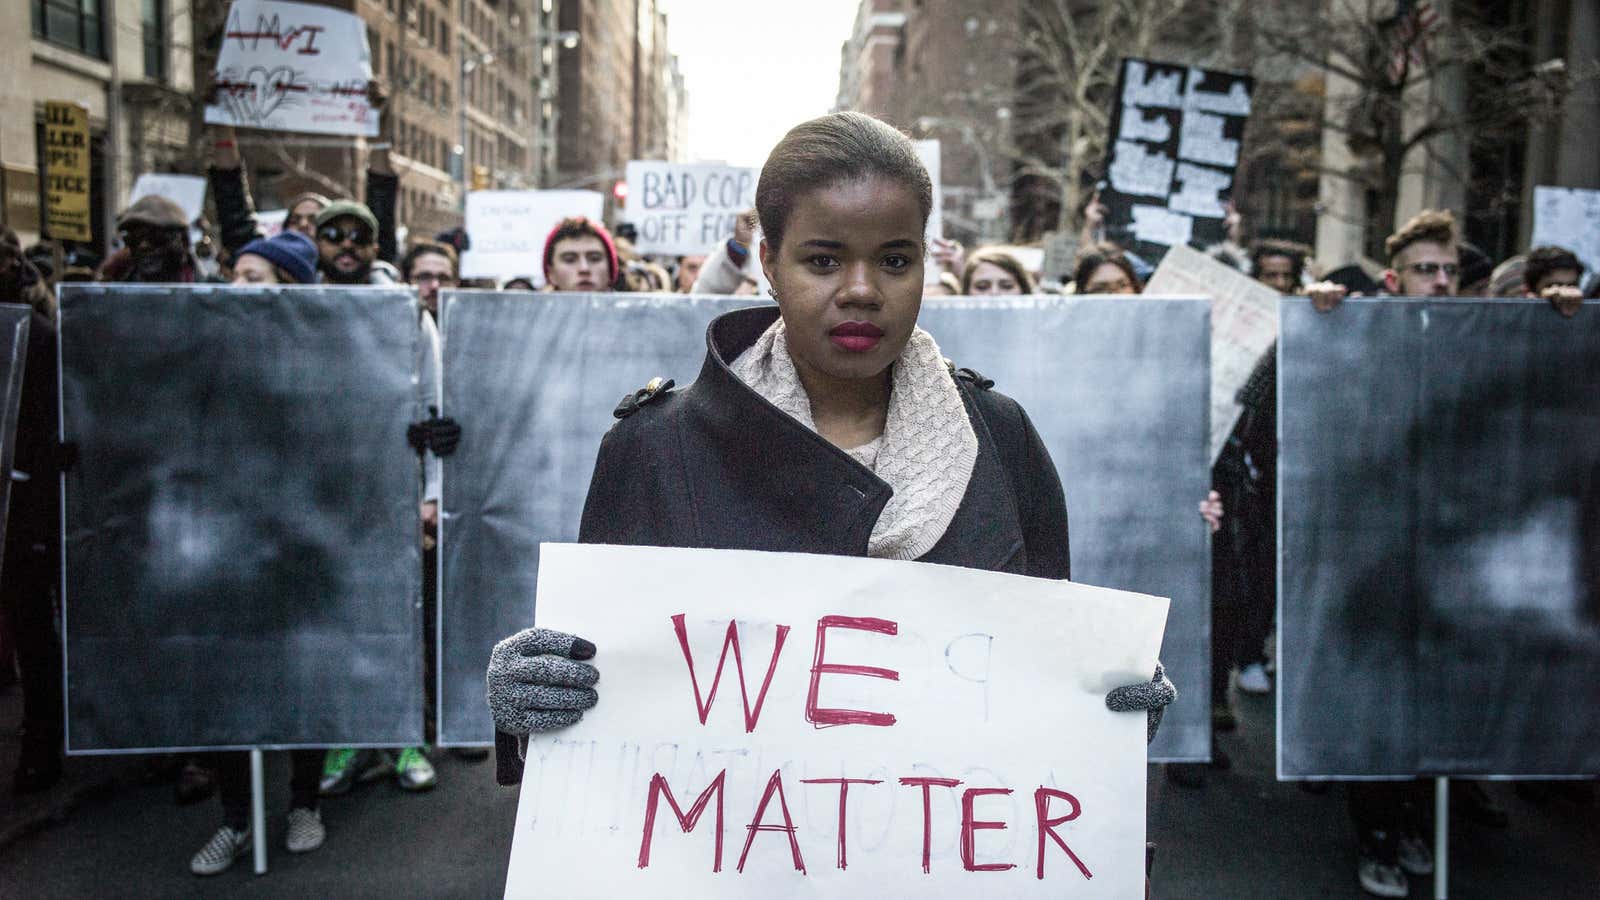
(1416, 857)
(219, 853)
(1253, 679)
(305, 830)
(1381, 879)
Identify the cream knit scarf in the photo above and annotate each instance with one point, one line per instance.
(927, 450)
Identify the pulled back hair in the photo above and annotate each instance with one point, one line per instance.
(829, 150)
(1431, 226)
(1295, 253)
(997, 257)
(427, 248)
(1544, 260)
(1096, 255)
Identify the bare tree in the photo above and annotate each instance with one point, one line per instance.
(1069, 53)
(1397, 84)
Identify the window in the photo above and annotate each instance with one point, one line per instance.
(153, 29)
(70, 23)
(376, 46)
(444, 36)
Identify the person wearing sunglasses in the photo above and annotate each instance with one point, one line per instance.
(154, 233)
(347, 245)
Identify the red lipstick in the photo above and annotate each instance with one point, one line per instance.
(856, 337)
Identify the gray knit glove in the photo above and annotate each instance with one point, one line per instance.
(534, 683)
(1151, 696)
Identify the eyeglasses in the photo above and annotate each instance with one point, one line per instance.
(433, 276)
(355, 234)
(1430, 269)
(147, 236)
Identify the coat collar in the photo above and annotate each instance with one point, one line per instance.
(795, 473)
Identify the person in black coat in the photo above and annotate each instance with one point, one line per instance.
(830, 424)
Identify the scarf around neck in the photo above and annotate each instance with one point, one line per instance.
(927, 450)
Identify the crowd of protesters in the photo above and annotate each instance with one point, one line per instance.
(344, 241)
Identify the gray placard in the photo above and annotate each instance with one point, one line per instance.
(13, 359)
(1439, 562)
(1117, 388)
(242, 563)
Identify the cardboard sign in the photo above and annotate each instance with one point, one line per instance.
(507, 229)
(66, 171)
(188, 191)
(876, 723)
(679, 209)
(294, 67)
(1176, 132)
(1244, 323)
(928, 152)
(1569, 218)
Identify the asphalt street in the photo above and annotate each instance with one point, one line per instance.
(1243, 835)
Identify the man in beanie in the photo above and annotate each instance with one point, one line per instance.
(287, 258)
(347, 242)
(580, 256)
(155, 245)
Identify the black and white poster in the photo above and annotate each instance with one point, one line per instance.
(1174, 148)
(1439, 568)
(13, 360)
(242, 547)
(535, 378)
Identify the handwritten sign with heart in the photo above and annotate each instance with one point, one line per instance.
(294, 67)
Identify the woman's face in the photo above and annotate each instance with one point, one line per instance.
(849, 277)
(252, 269)
(989, 278)
(1108, 278)
(303, 218)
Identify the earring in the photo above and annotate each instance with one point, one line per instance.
(773, 292)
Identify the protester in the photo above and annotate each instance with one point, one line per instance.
(1280, 265)
(1553, 274)
(992, 272)
(1507, 279)
(33, 528)
(430, 266)
(723, 271)
(580, 256)
(1104, 268)
(155, 245)
(286, 258)
(1476, 269)
(519, 283)
(688, 271)
(347, 242)
(843, 203)
(947, 286)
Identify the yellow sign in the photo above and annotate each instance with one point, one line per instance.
(66, 170)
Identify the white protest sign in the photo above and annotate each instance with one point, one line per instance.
(880, 729)
(294, 67)
(683, 208)
(188, 191)
(507, 229)
(1244, 323)
(270, 221)
(1569, 218)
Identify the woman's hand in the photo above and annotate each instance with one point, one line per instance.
(1152, 696)
(535, 683)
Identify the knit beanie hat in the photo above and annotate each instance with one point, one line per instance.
(348, 208)
(290, 251)
(154, 211)
(578, 223)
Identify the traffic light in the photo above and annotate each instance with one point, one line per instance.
(619, 193)
(480, 178)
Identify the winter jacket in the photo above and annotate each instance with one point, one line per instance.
(718, 466)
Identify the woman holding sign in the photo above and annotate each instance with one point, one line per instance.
(829, 423)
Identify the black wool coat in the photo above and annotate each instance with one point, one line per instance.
(718, 466)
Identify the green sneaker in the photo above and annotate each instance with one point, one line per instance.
(413, 770)
(338, 771)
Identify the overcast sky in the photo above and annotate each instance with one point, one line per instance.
(756, 69)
